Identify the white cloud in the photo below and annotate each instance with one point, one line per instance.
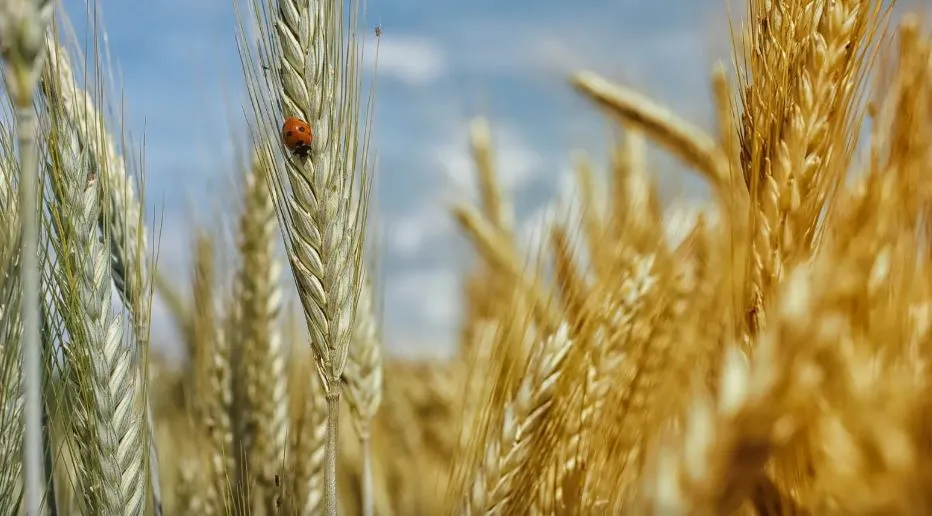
(410, 233)
(434, 294)
(433, 299)
(516, 162)
(411, 60)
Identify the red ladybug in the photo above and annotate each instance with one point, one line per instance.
(297, 136)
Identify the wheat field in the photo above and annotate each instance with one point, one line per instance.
(772, 358)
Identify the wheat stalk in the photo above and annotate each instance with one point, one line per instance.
(22, 25)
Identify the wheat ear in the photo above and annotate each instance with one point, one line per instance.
(495, 248)
(122, 221)
(109, 424)
(322, 215)
(725, 446)
(694, 146)
(211, 382)
(11, 330)
(495, 206)
(524, 413)
(22, 25)
(264, 360)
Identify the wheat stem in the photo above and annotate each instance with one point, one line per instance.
(22, 24)
(26, 129)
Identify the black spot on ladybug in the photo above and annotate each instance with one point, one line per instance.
(288, 134)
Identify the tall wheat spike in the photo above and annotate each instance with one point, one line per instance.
(211, 380)
(264, 358)
(110, 421)
(322, 199)
(810, 116)
(22, 25)
(122, 220)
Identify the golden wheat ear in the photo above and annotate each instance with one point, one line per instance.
(692, 145)
(210, 380)
(261, 372)
(507, 450)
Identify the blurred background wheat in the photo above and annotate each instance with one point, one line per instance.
(765, 351)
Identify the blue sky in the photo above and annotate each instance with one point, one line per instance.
(441, 63)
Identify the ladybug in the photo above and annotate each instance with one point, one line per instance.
(297, 136)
